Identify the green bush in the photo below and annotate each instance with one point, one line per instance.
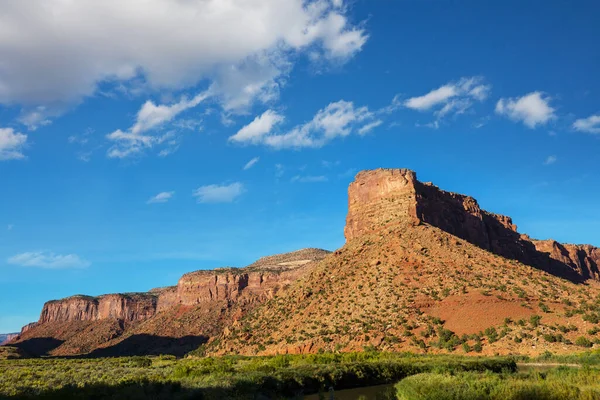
(582, 341)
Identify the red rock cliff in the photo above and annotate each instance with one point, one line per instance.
(383, 197)
(128, 307)
(258, 281)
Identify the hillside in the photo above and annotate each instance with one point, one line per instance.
(172, 320)
(428, 270)
(422, 270)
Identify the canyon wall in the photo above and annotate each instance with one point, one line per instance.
(385, 197)
(257, 282)
(128, 307)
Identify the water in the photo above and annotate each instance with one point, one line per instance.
(381, 392)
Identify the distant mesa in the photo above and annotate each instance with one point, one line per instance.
(5, 338)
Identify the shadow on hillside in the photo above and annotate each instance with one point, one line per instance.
(496, 234)
(38, 346)
(144, 345)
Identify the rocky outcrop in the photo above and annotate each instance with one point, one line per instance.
(584, 259)
(127, 307)
(207, 289)
(258, 281)
(381, 198)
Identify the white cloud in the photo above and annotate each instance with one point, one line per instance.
(532, 109)
(36, 117)
(309, 178)
(251, 163)
(224, 193)
(590, 124)
(55, 53)
(48, 260)
(338, 119)
(550, 160)
(11, 144)
(255, 131)
(451, 98)
(150, 117)
(369, 127)
(162, 197)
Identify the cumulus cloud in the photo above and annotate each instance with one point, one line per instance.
(48, 260)
(338, 119)
(533, 109)
(222, 193)
(251, 163)
(55, 53)
(11, 144)
(590, 124)
(162, 197)
(452, 98)
(255, 131)
(550, 160)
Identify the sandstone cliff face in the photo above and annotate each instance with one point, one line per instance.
(384, 197)
(259, 281)
(584, 259)
(127, 307)
(380, 197)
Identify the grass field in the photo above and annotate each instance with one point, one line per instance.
(223, 377)
(419, 377)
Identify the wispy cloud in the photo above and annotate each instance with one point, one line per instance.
(338, 119)
(162, 197)
(309, 178)
(453, 98)
(550, 160)
(369, 127)
(222, 193)
(590, 124)
(251, 163)
(256, 130)
(533, 109)
(10, 227)
(12, 144)
(150, 117)
(48, 260)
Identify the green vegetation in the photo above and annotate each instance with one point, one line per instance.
(231, 377)
(556, 384)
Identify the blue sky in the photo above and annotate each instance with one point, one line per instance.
(139, 143)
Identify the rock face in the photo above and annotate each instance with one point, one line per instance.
(584, 259)
(126, 307)
(381, 198)
(208, 293)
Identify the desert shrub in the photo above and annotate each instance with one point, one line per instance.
(582, 341)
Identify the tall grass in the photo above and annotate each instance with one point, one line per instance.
(221, 377)
(557, 384)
